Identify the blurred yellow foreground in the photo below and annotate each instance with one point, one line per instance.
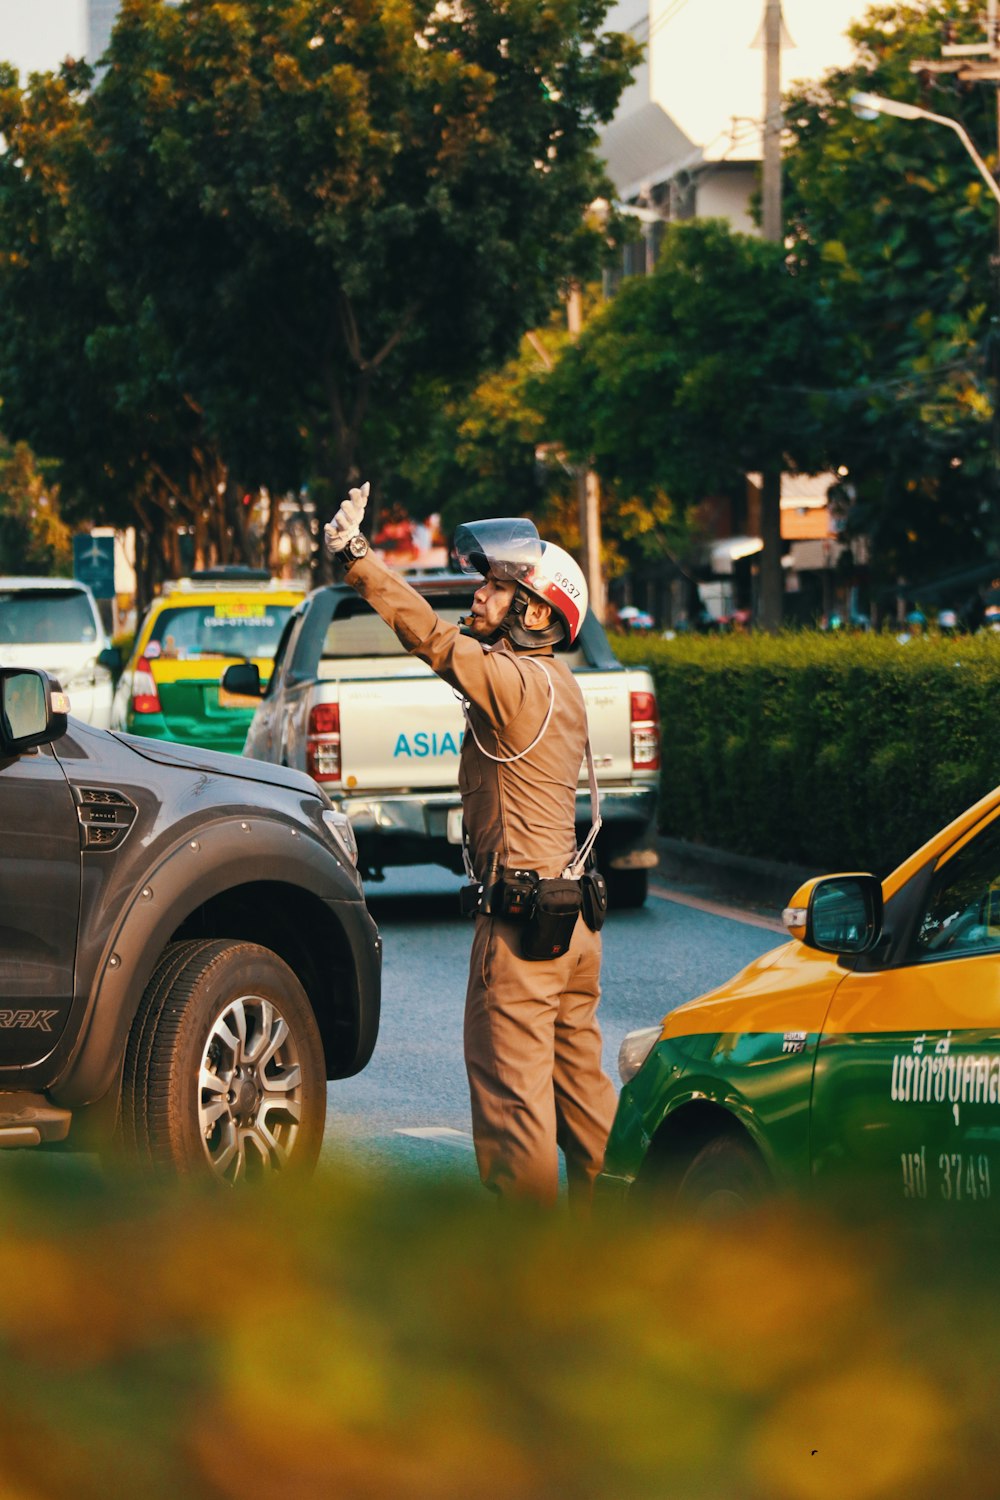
(393, 1338)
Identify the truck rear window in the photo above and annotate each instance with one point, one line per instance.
(357, 631)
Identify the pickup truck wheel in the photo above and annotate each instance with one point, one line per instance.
(224, 1070)
(627, 889)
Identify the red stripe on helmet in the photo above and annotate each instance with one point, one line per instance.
(567, 607)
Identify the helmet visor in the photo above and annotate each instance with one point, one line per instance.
(508, 547)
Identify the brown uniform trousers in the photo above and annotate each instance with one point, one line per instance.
(532, 1043)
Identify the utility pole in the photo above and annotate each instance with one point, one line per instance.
(588, 489)
(979, 62)
(772, 582)
(773, 121)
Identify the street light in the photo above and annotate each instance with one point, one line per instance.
(867, 106)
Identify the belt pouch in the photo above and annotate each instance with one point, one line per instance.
(594, 889)
(549, 930)
(470, 899)
(519, 887)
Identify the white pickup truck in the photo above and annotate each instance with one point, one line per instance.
(382, 734)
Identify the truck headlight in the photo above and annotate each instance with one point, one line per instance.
(339, 825)
(635, 1049)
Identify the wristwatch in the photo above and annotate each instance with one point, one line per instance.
(355, 548)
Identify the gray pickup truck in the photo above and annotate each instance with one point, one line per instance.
(187, 955)
(382, 734)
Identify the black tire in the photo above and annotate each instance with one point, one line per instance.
(203, 1097)
(725, 1178)
(627, 889)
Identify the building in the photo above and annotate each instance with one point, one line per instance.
(686, 137)
(37, 35)
(100, 19)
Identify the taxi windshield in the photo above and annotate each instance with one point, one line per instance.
(238, 628)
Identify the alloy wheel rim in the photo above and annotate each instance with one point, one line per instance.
(249, 1090)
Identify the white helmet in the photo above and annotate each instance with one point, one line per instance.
(511, 549)
(558, 580)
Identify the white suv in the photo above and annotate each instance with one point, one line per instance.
(53, 624)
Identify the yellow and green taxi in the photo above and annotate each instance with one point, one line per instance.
(171, 687)
(862, 1057)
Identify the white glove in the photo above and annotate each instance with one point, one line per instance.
(347, 522)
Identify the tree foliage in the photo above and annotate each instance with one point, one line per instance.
(288, 215)
(679, 386)
(895, 230)
(86, 367)
(33, 536)
(489, 452)
(680, 383)
(476, 452)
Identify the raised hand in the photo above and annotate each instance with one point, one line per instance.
(347, 522)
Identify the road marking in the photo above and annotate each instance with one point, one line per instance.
(716, 909)
(441, 1135)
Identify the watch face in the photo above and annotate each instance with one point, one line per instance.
(357, 546)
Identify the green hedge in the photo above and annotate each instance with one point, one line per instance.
(827, 751)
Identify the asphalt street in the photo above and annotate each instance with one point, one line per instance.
(410, 1108)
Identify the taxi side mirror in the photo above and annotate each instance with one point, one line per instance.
(32, 711)
(840, 914)
(243, 679)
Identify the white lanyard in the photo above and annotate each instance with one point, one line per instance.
(508, 760)
(578, 863)
(576, 866)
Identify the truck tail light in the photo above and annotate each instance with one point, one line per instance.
(645, 732)
(323, 742)
(145, 698)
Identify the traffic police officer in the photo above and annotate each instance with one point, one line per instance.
(532, 1043)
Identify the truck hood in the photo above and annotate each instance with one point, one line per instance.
(191, 757)
(61, 659)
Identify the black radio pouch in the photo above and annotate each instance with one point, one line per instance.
(470, 898)
(594, 890)
(518, 893)
(549, 929)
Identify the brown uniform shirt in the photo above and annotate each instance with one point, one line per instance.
(524, 810)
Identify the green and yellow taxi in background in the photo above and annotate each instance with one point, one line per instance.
(171, 687)
(863, 1057)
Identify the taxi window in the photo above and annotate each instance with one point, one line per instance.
(240, 628)
(962, 914)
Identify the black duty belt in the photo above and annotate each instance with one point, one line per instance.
(547, 909)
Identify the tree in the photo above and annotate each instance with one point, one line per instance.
(85, 368)
(288, 214)
(487, 453)
(33, 536)
(890, 222)
(679, 387)
(331, 203)
(475, 452)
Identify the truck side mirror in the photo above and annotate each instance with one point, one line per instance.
(32, 711)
